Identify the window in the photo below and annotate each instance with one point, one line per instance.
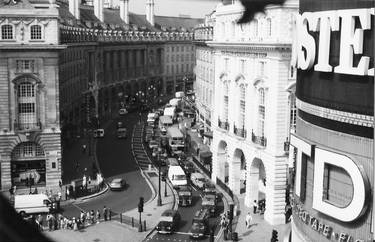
(172, 48)
(226, 64)
(242, 66)
(255, 27)
(269, 27)
(242, 106)
(226, 101)
(261, 112)
(26, 106)
(293, 113)
(167, 69)
(6, 31)
(178, 57)
(262, 65)
(172, 69)
(223, 29)
(172, 58)
(35, 32)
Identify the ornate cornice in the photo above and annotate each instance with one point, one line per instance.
(249, 46)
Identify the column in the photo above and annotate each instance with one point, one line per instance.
(6, 177)
(234, 176)
(275, 192)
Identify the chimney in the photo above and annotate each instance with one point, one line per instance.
(124, 10)
(150, 11)
(98, 9)
(74, 8)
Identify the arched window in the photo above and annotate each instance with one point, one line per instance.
(27, 108)
(6, 31)
(242, 106)
(35, 32)
(261, 112)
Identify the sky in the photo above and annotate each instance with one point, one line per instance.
(194, 8)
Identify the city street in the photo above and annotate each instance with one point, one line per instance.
(116, 160)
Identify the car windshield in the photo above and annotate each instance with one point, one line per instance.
(179, 177)
(166, 219)
(197, 225)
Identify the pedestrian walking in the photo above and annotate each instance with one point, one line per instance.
(97, 216)
(82, 217)
(67, 193)
(88, 218)
(105, 213)
(84, 148)
(92, 215)
(255, 206)
(248, 220)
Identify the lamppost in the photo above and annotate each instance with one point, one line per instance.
(140, 96)
(151, 89)
(159, 193)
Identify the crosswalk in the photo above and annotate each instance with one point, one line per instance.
(138, 148)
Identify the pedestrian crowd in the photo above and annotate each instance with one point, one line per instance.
(57, 221)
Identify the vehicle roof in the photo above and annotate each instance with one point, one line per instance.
(117, 180)
(169, 212)
(175, 132)
(197, 175)
(201, 214)
(177, 170)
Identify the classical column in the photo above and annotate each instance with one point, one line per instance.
(5, 173)
(235, 175)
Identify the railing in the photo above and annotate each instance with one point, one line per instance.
(27, 126)
(239, 132)
(260, 140)
(223, 125)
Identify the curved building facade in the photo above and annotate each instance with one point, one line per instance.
(332, 149)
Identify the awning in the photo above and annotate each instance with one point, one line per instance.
(208, 134)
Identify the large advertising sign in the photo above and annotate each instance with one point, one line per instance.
(334, 54)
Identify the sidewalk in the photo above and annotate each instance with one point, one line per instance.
(114, 231)
(260, 230)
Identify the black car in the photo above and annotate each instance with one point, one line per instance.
(189, 167)
(200, 225)
(184, 196)
(168, 222)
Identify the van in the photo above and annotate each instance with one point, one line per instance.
(177, 176)
(33, 203)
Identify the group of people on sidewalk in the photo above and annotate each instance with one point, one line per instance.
(58, 221)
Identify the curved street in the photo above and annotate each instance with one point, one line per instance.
(116, 160)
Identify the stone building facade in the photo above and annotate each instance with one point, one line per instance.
(30, 147)
(205, 69)
(251, 113)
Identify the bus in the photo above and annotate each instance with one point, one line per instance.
(176, 139)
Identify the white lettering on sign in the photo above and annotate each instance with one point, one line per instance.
(361, 186)
(351, 40)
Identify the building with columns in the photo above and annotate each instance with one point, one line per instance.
(67, 66)
(30, 147)
(204, 85)
(251, 114)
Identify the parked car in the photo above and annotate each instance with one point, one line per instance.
(198, 180)
(117, 184)
(200, 225)
(153, 144)
(168, 222)
(189, 167)
(98, 133)
(209, 202)
(122, 111)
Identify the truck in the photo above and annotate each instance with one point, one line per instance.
(184, 196)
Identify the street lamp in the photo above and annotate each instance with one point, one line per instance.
(159, 193)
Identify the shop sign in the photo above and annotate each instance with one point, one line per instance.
(322, 228)
(361, 186)
(351, 40)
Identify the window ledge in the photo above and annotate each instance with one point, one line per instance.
(8, 40)
(37, 40)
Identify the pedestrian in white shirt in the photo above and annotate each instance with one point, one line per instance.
(248, 220)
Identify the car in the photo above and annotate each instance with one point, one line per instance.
(98, 133)
(209, 202)
(163, 130)
(119, 124)
(168, 222)
(153, 144)
(117, 184)
(189, 167)
(122, 111)
(185, 196)
(200, 224)
(198, 180)
(210, 188)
